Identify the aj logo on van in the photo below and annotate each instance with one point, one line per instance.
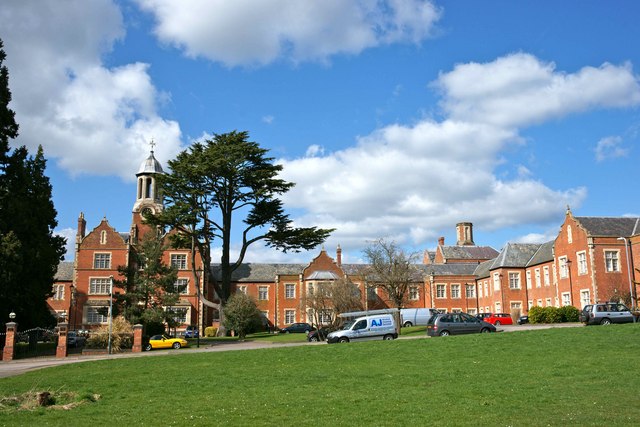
(380, 322)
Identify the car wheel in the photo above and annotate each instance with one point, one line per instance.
(148, 347)
(388, 337)
(444, 333)
(407, 324)
(314, 339)
(605, 321)
(485, 331)
(497, 323)
(343, 340)
(176, 345)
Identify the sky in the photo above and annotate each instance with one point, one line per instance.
(396, 119)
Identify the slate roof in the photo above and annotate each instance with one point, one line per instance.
(515, 255)
(482, 269)
(468, 252)
(64, 272)
(543, 254)
(610, 227)
(252, 272)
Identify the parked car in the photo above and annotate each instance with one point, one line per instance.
(416, 316)
(606, 314)
(447, 324)
(498, 319)
(191, 332)
(74, 339)
(482, 316)
(523, 320)
(319, 334)
(372, 327)
(163, 341)
(297, 328)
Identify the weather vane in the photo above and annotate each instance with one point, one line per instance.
(152, 144)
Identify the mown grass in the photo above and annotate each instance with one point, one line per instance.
(557, 377)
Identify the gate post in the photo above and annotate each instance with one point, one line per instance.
(9, 351)
(137, 339)
(61, 349)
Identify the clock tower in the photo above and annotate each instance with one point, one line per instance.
(147, 198)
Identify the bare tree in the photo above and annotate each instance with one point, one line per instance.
(328, 299)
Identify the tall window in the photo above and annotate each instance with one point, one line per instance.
(548, 302)
(289, 316)
(455, 291)
(496, 282)
(441, 291)
(178, 314)
(514, 280)
(611, 261)
(100, 286)
(498, 307)
(179, 261)
(289, 290)
(470, 292)
(585, 297)
(414, 294)
(582, 263)
(569, 234)
(537, 277)
(103, 237)
(58, 292)
(528, 278)
(181, 286)
(94, 317)
(564, 272)
(263, 293)
(480, 290)
(101, 260)
(545, 270)
(566, 298)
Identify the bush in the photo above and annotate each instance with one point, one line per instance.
(210, 331)
(242, 315)
(121, 336)
(536, 315)
(569, 313)
(552, 315)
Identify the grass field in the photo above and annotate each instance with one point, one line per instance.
(557, 377)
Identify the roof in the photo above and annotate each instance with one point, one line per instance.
(468, 252)
(151, 165)
(455, 269)
(64, 272)
(251, 272)
(323, 275)
(610, 227)
(515, 255)
(543, 254)
(482, 270)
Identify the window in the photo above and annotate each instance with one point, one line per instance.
(414, 293)
(530, 304)
(455, 291)
(99, 286)
(528, 279)
(545, 270)
(585, 297)
(263, 293)
(514, 280)
(582, 262)
(325, 317)
(569, 234)
(179, 261)
(456, 310)
(470, 292)
(441, 291)
(289, 290)
(496, 282)
(498, 307)
(289, 316)
(94, 317)
(58, 292)
(547, 302)
(486, 289)
(103, 237)
(611, 261)
(242, 289)
(472, 311)
(480, 291)
(566, 298)
(516, 305)
(537, 277)
(539, 303)
(181, 286)
(101, 261)
(178, 314)
(310, 289)
(564, 272)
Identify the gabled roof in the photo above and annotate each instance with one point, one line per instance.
(609, 227)
(64, 272)
(543, 254)
(468, 252)
(515, 255)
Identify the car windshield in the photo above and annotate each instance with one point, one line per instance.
(347, 325)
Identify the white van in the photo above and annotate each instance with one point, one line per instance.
(416, 316)
(373, 327)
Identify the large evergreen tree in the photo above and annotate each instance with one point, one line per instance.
(29, 251)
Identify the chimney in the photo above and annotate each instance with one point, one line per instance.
(82, 227)
(441, 241)
(339, 256)
(464, 233)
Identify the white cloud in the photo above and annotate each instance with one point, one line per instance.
(246, 32)
(70, 235)
(268, 119)
(68, 101)
(610, 148)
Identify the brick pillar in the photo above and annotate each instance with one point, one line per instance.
(61, 350)
(9, 351)
(137, 339)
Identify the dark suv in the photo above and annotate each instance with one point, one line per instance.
(606, 314)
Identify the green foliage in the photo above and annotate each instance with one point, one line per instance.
(536, 314)
(569, 313)
(121, 336)
(29, 251)
(210, 331)
(242, 315)
(553, 314)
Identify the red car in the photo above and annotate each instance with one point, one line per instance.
(498, 319)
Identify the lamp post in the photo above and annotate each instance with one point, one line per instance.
(110, 314)
(626, 248)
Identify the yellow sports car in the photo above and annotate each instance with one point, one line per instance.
(163, 341)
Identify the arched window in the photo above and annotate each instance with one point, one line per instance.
(103, 237)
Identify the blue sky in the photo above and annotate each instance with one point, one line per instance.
(396, 119)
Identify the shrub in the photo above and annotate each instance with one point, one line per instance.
(242, 315)
(552, 315)
(210, 331)
(121, 335)
(536, 315)
(569, 313)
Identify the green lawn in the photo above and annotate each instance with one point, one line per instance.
(557, 377)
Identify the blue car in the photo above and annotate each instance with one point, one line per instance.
(191, 332)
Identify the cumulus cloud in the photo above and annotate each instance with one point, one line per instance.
(68, 101)
(300, 31)
(610, 148)
(70, 235)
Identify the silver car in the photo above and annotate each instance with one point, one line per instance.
(606, 314)
(443, 325)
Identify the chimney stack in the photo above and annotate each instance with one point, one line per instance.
(441, 241)
(82, 227)
(339, 256)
